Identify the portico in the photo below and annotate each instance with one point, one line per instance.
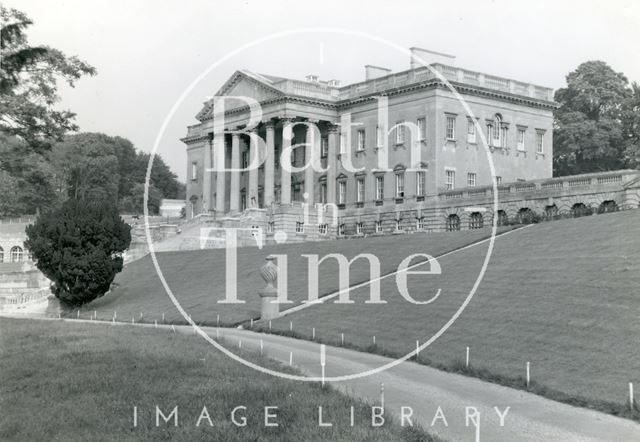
(245, 166)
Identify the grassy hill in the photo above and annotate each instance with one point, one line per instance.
(563, 295)
(197, 278)
(79, 382)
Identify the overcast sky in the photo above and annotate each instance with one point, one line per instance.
(148, 52)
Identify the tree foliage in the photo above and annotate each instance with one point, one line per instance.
(88, 166)
(596, 125)
(29, 77)
(79, 248)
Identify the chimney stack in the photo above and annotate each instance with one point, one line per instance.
(421, 57)
(372, 72)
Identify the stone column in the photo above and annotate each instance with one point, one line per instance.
(285, 175)
(332, 163)
(253, 174)
(234, 194)
(206, 178)
(269, 165)
(311, 150)
(219, 148)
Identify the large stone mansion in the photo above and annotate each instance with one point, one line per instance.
(422, 113)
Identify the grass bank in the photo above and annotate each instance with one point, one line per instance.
(78, 382)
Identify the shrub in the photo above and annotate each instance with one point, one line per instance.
(79, 248)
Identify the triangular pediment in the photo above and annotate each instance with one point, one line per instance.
(242, 84)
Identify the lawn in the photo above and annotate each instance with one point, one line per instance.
(197, 278)
(79, 382)
(562, 295)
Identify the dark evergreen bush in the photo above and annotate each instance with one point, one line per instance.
(79, 246)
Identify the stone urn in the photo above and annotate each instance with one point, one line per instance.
(270, 308)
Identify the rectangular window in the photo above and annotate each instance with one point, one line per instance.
(400, 132)
(379, 188)
(400, 185)
(194, 171)
(420, 223)
(421, 183)
(342, 192)
(540, 141)
(471, 179)
(379, 140)
(471, 132)
(360, 190)
(271, 227)
(341, 229)
(324, 147)
(322, 229)
(422, 128)
(451, 127)
(245, 159)
(361, 140)
(378, 226)
(398, 225)
(498, 180)
(521, 133)
(296, 192)
(450, 179)
(299, 227)
(359, 228)
(323, 193)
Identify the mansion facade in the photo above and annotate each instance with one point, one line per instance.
(431, 139)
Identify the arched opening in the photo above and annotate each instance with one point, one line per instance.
(551, 212)
(581, 209)
(527, 216)
(16, 254)
(453, 223)
(476, 221)
(608, 206)
(503, 219)
(193, 205)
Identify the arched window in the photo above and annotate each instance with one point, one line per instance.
(476, 221)
(16, 254)
(453, 223)
(497, 125)
(1, 254)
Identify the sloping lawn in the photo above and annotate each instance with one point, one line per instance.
(563, 295)
(197, 278)
(80, 382)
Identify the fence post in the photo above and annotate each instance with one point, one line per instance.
(467, 358)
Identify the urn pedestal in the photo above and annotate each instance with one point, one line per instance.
(270, 309)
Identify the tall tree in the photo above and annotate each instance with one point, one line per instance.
(631, 122)
(592, 128)
(25, 177)
(29, 78)
(86, 167)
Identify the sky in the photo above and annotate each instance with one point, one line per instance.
(149, 53)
